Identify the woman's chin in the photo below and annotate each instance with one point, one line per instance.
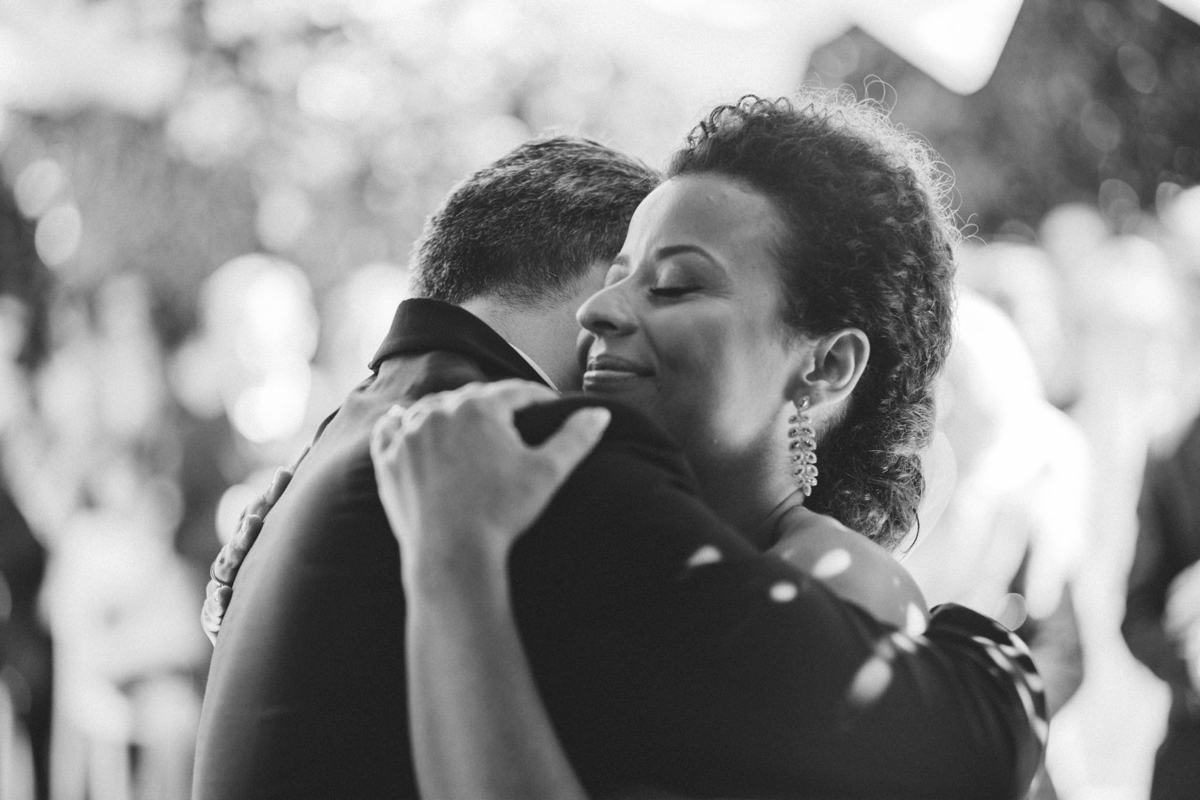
(638, 391)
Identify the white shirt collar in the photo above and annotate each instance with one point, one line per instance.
(533, 364)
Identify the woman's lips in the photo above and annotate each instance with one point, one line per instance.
(611, 371)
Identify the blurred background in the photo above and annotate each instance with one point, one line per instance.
(206, 209)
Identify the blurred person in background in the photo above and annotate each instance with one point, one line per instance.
(1130, 314)
(98, 484)
(1011, 535)
(1025, 283)
(1162, 609)
(114, 596)
(889, 672)
(26, 666)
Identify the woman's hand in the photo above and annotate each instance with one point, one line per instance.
(458, 482)
(459, 485)
(229, 560)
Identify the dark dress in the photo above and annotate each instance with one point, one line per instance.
(660, 666)
(1168, 542)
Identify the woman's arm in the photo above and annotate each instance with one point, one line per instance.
(854, 568)
(479, 727)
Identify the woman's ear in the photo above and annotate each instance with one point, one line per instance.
(838, 361)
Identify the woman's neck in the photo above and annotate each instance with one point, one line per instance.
(743, 489)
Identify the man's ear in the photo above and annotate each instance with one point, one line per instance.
(837, 364)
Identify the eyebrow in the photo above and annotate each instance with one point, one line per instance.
(676, 249)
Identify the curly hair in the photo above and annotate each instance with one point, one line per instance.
(526, 226)
(868, 244)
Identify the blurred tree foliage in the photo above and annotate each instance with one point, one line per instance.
(22, 274)
(325, 132)
(1095, 101)
(320, 132)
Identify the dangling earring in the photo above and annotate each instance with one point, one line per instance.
(802, 443)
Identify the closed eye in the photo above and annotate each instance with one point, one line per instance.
(672, 291)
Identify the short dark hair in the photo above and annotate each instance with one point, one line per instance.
(528, 225)
(868, 244)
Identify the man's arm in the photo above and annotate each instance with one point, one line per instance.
(662, 666)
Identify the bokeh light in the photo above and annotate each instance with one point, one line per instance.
(210, 209)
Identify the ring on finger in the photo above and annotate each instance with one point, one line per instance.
(212, 573)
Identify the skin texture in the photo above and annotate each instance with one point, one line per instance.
(689, 329)
(546, 332)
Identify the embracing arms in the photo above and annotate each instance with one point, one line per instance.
(479, 727)
(737, 674)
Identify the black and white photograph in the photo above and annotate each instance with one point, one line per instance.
(610, 400)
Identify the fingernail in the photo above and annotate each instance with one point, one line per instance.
(396, 410)
(600, 417)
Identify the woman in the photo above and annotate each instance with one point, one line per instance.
(786, 292)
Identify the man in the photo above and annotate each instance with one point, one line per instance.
(654, 674)
(1162, 608)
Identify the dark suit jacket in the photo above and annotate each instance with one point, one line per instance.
(737, 677)
(1168, 542)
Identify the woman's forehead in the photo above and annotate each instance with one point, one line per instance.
(711, 209)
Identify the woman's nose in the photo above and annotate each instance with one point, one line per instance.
(608, 312)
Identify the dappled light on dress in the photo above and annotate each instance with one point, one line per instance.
(833, 563)
(874, 676)
(784, 591)
(705, 555)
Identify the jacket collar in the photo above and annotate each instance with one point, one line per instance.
(422, 325)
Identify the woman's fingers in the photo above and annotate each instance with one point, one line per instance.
(453, 470)
(213, 611)
(229, 559)
(383, 435)
(267, 500)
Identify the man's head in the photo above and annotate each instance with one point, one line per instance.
(527, 238)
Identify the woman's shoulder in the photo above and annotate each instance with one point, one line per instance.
(853, 567)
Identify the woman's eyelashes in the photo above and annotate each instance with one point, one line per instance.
(672, 291)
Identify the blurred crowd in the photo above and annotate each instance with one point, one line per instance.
(124, 466)
(197, 266)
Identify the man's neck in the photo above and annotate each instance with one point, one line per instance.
(530, 332)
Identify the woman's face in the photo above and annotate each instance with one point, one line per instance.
(688, 326)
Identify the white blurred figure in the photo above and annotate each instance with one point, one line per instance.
(1024, 282)
(120, 605)
(117, 597)
(1126, 309)
(1162, 610)
(1010, 538)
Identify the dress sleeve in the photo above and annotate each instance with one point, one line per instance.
(672, 654)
